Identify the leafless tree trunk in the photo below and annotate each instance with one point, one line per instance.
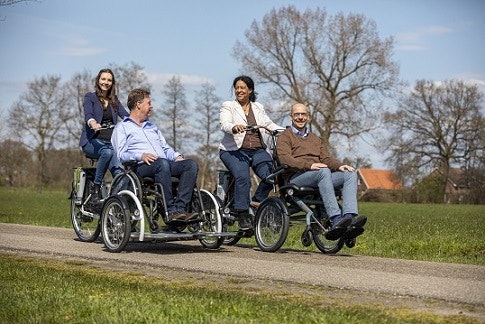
(436, 126)
(338, 66)
(175, 112)
(207, 106)
(39, 118)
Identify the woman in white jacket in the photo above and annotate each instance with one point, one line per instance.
(241, 150)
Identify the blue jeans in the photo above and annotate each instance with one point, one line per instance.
(162, 170)
(327, 182)
(239, 162)
(107, 159)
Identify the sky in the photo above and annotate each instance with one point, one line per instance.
(434, 40)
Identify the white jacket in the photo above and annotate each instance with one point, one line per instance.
(232, 114)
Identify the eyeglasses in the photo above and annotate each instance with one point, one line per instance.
(300, 114)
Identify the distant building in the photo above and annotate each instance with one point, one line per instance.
(378, 185)
(457, 187)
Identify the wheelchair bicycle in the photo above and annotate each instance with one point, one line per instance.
(85, 217)
(224, 194)
(293, 205)
(136, 210)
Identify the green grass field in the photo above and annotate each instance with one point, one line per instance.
(40, 291)
(443, 233)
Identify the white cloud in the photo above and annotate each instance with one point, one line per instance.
(80, 51)
(416, 40)
(410, 48)
(159, 79)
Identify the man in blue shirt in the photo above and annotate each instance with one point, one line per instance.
(137, 139)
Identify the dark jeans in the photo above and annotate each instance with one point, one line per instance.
(162, 170)
(239, 162)
(104, 152)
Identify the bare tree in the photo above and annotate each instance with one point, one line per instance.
(15, 160)
(207, 106)
(4, 3)
(78, 86)
(38, 118)
(338, 66)
(128, 77)
(436, 126)
(175, 111)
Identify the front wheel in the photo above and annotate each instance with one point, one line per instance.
(116, 223)
(272, 224)
(324, 245)
(211, 220)
(87, 227)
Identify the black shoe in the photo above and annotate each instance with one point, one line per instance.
(356, 228)
(339, 228)
(96, 196)
(244, 220)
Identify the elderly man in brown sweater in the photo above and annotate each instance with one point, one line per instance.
(310, 165)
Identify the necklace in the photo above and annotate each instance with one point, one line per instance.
(246, 107)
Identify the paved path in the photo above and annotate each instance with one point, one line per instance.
(443, 281)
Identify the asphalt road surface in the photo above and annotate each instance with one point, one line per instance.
(462, 286)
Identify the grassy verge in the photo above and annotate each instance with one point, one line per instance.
(34, 291)
(442, 233)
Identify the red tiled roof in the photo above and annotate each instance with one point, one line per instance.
(380, 179)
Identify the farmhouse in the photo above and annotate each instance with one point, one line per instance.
(378, 185)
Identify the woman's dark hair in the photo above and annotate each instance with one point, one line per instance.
(111, 95)
(249, 82)
(136, 95)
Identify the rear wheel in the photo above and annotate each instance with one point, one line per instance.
(116, 223)
(211, 220)
(87, 227)
(272, 224)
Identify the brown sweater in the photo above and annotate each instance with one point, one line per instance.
(300, 153)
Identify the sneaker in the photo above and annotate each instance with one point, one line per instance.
(339, 227)
(356, 228)
(359, 221)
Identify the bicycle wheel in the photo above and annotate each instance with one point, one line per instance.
(324, 245)
(272, 224)
(208, 211)
(87, 227)
(116, 223)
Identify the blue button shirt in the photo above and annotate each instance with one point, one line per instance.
(298, 133)
(131, 140)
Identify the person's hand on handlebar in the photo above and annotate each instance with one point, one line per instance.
(238, 129)
(94, 125)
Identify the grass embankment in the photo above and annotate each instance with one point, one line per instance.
(34, 291)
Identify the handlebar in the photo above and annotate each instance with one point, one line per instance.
(252, 128)
(107, 126)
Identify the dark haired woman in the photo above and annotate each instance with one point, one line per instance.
(241, 150)
(101, 107)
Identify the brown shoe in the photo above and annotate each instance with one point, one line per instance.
(178, 216)
(190, 216)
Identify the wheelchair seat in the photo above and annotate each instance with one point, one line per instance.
(300, 191)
